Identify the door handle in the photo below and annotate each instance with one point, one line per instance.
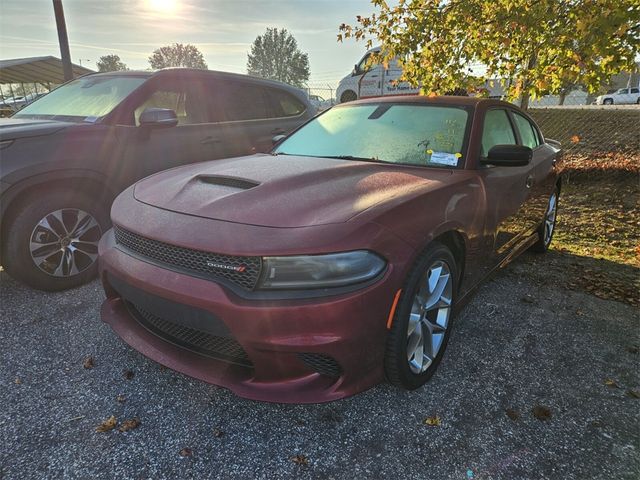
(209, 140)
(529, 181)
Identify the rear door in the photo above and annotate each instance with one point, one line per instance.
(251, 114)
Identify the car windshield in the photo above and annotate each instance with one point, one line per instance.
(84, 99)
(393, 133)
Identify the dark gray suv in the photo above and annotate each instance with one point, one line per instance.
(65, 157)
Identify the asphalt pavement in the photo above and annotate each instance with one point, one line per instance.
(538, 382)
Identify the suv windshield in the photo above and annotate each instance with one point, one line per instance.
(394, 133)
(84, 99)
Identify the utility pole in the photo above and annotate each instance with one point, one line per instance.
(63, 40)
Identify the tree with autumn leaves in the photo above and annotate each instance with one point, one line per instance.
(535, 47)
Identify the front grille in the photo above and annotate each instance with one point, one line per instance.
(221, 348)
(322, 364)
(195, 261)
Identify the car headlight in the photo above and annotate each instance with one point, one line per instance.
(320, 271)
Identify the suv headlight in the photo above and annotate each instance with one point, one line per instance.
(320, 271)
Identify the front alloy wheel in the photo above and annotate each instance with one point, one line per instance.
(65, 242)
(422, 321)
(429, 317)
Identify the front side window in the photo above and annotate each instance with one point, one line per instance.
(527, 131)
(623, 91)
(497, 130)
(189, 100)
(635, 90)
(84, 99)
(392, 133)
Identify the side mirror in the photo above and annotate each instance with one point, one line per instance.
(158, 117)
(277, 139)
(355, 70)
(508, 156)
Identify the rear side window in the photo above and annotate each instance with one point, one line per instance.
(285, 104)
(527, 131)
(635, 90)
(242, 101)
(497, 130)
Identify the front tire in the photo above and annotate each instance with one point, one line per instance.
(348, 96)
(608, 101)
(423, 319)
(51, 239)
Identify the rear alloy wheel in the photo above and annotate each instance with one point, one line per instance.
(51, 240)
(422, 322)
(548, 225)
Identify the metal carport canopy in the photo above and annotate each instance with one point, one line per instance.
(36, 70)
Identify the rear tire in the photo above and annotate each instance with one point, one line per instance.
(548, 225)
(51, 238)
(424, 317)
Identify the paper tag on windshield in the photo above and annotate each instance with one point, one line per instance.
(444, 158)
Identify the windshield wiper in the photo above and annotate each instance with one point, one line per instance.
(351, 157)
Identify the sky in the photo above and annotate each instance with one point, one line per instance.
(223, 30)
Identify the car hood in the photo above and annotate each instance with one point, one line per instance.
(14, 128)
(284, 191)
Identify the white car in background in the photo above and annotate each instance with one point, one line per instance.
(373, 81)
(620, 97)
(320, 103)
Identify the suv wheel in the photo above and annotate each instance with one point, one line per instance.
(608, 101)
(51, 240)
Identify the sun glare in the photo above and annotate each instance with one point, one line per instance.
(162, 6)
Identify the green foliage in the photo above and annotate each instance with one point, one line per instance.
(111, 63)
(177, 55)
(535, 46)
(275, 55)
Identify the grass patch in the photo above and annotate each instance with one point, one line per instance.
(597, 237)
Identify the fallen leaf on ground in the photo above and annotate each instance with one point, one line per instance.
(300, 460)
(633, 393)
(432, 421)
(129, 424)
(541, 412)
(611, 383)
(107, 425)
(121, 399)
(633, 349)
(527, 299)
(88, 362)
(512, 413)
(17, 381)
(128, 374)
(217, 432)
(186, 452)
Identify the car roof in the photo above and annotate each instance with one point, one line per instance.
(437, 100)
(194, 71)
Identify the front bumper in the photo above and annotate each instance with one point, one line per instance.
(277, 335)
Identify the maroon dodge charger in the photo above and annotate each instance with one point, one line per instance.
(337, 260)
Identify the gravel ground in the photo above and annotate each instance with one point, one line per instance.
(522, 342)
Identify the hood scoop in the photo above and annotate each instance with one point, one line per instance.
(233, 182)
